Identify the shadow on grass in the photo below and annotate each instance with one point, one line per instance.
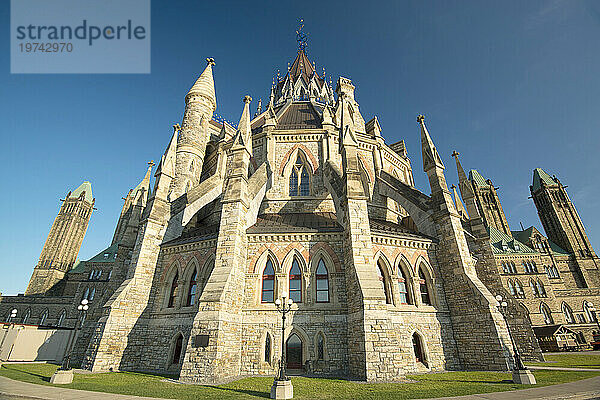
(248, 392)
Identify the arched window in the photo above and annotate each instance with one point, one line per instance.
(534, 267)
(43, 318)
(268, 283)
(26, 316)
(568, 313)
(519, 289)
(322, 283)
(86, 293)
(587, 308)
(540, 288)
(92, 294)
(424, 288)
(192, 288)
(511, 287)
(383, 283)
(513, 268)
(61, 318)
(418, 348)
(295, 282)
(267, 348)
(402, 287)
(526, 311)
(547, 314)
(299, 179)
(534, 288)
(173, 290)
(177, 349)
(320, 347)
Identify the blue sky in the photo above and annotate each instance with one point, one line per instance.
(511, 85)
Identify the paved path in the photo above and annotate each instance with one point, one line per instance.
(563, 368)
(586, 389)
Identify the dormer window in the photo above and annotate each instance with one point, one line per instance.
(106, 255)
(504, 246)
(517, 247)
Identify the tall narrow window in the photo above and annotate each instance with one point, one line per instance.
(383, 284)
(173, 291)
(268, 348)
(92, 294)
(26, 316)
(519, 289)
(320, 347)
(534, 288)
(540, 288)
(591, 315)
(61, 318)
(295, 282)
(568, 313)
(402, 288)
(322, 283)
(418, 348)
(177, 349)
(192, 288)
(424, 288)
(511, 288)
(268, 283)
(86, 294)
(299, 179)
(44, 318)
(548, 320)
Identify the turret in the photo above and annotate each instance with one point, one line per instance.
(200, 104)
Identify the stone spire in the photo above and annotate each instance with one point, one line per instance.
(431, 158)
(243, 135)
(205, 84)
(460, 208)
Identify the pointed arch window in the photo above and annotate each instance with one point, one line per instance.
(44, 318)
(547, 314)
(402, 287)
(26, 316)
(519, 289)
(511, 287)
(86, 293)
(61, 318)
(173, 290)
(568, 313)
(322, 283)
(296, 282)
(299, 181)
(418, 348)
(320, 347)
(383, 283)
(192, 289)
(540, 288)
(268, 283)
(92, 294)
(534, 288)
(424, 288)
(587, 308)
(267, 354)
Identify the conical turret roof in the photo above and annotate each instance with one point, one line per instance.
(205, 84)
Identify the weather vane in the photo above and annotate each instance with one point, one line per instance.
(301, 38)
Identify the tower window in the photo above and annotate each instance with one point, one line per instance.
(173, 291)
(193, 287)
(322, 283)
(299, 181)
(424, 287)
(295, 282)
(268, 283)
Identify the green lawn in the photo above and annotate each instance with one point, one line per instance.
(427, 385)
(575, 360)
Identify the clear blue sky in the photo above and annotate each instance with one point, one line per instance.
(511, 85)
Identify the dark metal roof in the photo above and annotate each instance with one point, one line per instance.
(194, 235)
(382, 226)
(549, 330)
(299, 116)
(296, 222)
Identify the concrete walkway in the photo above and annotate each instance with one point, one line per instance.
(586, 389)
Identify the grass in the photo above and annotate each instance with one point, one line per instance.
(424, 386)
(574, 360)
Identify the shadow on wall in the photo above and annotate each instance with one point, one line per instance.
(33, 343)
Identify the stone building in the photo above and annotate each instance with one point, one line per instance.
(305, 199)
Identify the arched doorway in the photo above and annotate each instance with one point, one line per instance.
(293, 352)
(418, 349)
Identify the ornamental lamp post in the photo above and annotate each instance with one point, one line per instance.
(64, 374)
(282, 385)
(520, 373)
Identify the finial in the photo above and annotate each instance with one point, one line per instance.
(301, 37)
(420, 119)
(176, 128)
(210, 61)
(455, 154)
(151, 163)
(247, 99)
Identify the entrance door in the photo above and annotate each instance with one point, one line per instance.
(293, 352)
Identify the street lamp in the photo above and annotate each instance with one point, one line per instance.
(520, 372)
(13, 314)
(282, 385)
(64, 374)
